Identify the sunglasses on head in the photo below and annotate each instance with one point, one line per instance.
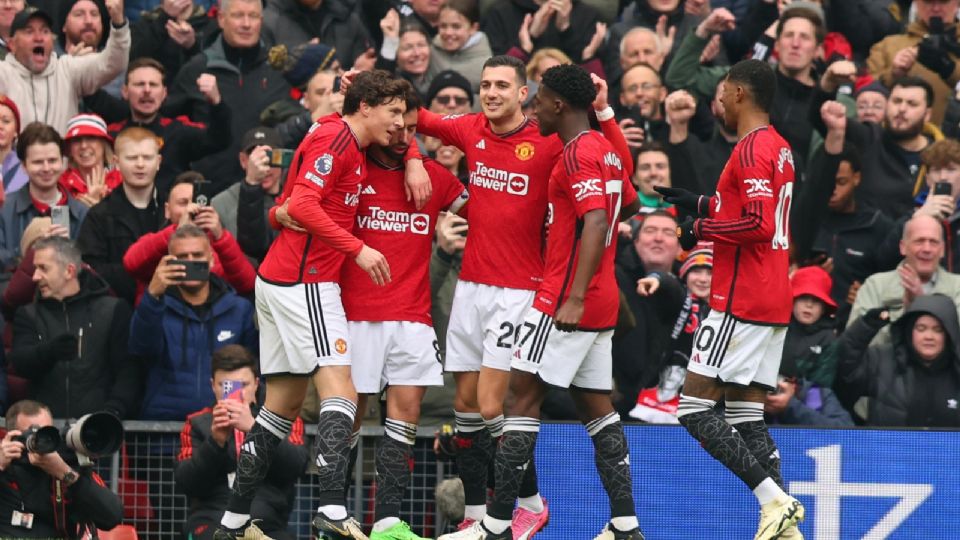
(445, 100)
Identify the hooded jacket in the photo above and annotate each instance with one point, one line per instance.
(53, 96)
(813, 348)
(102, 375)
(502, 23)
(176, 341)
(898, 384)
(335, 23)
(468, 61)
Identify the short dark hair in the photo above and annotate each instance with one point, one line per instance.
(374, 88)
(468, 8)
(656, 213)
(26, 407)
(413, 100)
(851, 154)
(186, 177)
(37, 133)
(759, 77)
(651, 146)
(908, 81)
(233, 357)
(803, 13)
(145, 62)
(411, 25)
(572, 83)
(503, 60)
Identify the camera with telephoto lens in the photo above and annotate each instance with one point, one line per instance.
(94, 436)
(40, 440)
(938, 38)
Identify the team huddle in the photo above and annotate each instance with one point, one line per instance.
(343, 297)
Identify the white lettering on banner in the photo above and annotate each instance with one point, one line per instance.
(587, 188)
(379, 219)
(499, 180)
(827, 490)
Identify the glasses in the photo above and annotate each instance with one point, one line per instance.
(646, 87)
(871, 107)
(445, 100)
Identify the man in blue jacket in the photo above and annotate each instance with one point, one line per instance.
(179, 324)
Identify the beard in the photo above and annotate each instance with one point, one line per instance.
(908, 132)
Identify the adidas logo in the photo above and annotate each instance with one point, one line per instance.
(369, 190)
(320, 461)
(482, 145)
(249, 448)
(625, 461)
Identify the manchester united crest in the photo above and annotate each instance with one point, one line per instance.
(341, 346)
(524, 151)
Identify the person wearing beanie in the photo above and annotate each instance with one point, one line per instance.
(871, 102)
(450, 92)
(48, 87)
(811, 336)
(332, 22)
(460, 46)
(13, 174)
(310, 69)
(90, 176)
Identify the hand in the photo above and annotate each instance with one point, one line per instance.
(665, 34)
(711, 51)
(79, 49)
(96, 182)
(562, 8)
(284, 219)
(681, 198)
(878, 315)
(600, 103)
(591, 49)
(220, 429)
(541, 20)
(451, 232)
(239, 416)
(718, 21)
(56, 230)
(624, 230)
(632, 133)
(366, 60)
(51, 463)
(416, 183)
(936, 60)
(207, 84)
(834, 116)
(697, 8)
(775, 404)
(912, 285)
(903, 61)
(209, 221)
(10, 450)
(680, 107)
(525, 41)
(390, 24)
(258, 165)
(62, 346)
(827, 265)
(646, 286)
(852, 292)
(839, 72)
(181, 33)
(347, 79)
(688, 239)
(115, 10)
(568, 316)
(374, 264)
(166, 275)
(937, 206)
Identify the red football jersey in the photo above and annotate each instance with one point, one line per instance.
(390, 224)
(590, 176)
(329, 161)
(750, 229)
(508, 196)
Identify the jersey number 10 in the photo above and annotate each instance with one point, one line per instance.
(613, 189)
(781, 220)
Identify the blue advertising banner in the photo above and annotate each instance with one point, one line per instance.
(857, 483)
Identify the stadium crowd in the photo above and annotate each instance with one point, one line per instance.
(137, 133)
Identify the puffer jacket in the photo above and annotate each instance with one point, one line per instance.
(53, 97)
(889, 373)
(176, 342)
(880, 65)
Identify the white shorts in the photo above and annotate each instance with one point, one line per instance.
(580, 359)
(483, 326)
(393, 352)
(737, 352)
(302, 328)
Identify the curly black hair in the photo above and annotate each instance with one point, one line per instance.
(572, 83)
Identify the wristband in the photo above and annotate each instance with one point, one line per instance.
(605, 114)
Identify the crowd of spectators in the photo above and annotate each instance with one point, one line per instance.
(133, 134)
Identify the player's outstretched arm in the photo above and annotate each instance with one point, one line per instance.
(593, 241)
(688, 200)
(305, 209)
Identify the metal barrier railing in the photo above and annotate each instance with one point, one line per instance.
(143, 477)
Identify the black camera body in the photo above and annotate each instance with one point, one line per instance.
(40, 440)
(938, 38)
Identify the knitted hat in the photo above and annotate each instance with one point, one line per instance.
(813, 281)
(875, 86)
(302, 63)
(701, 256)
(6, 101)
(446, 79)
(87, 125)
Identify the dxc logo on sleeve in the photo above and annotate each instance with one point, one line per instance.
(759, 187)
(587, 188)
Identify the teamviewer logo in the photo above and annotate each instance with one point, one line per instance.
(517, 184)
(419, 224)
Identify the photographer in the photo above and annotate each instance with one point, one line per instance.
(209, 444)
(48, 495)
(928, 50)
(184, 316)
